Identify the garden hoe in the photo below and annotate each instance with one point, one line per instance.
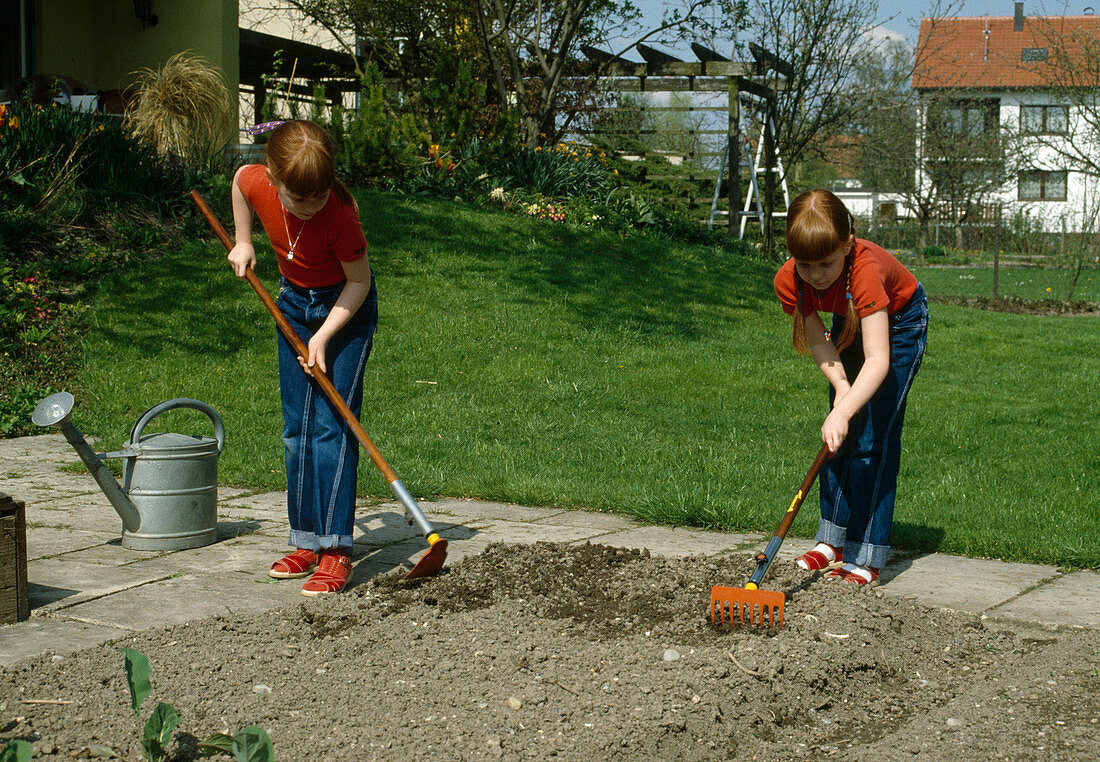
(432, 561)
(737, 602)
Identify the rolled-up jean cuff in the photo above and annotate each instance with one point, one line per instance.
(864, 554)
(831, 534)
(310, 541)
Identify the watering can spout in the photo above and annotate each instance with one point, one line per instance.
(55, 411)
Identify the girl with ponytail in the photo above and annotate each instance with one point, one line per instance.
(870, 355)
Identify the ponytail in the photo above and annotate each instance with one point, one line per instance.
(851, 316)
(798, 330)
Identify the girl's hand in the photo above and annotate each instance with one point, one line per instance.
(243, 257)
(834, 430)
(316, 357)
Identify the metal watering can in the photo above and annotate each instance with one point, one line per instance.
(169, 494)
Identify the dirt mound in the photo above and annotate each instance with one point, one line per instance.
(1022, 306)
(583, 652)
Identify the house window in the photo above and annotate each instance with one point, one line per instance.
(1044, 120)
(1042, 185)
(968, 119)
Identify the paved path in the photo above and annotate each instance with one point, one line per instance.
(85, 588)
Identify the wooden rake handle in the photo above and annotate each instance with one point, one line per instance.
(764, 559)
(811, 475)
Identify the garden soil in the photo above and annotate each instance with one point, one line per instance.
(581, 652)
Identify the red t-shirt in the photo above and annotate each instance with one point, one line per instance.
(878, 280)
(331, 236)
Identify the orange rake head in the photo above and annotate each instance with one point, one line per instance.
(738, 603)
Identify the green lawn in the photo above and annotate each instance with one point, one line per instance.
(544, 364)
(1020, 282)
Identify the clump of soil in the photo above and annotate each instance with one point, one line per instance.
(583, 652)
(1022, 306)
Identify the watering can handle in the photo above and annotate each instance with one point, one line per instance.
(153, 412)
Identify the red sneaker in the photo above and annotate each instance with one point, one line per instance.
(815, 560)
(331, 576)
(300, 563)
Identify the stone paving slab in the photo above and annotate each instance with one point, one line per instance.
(55, 583)
(266, 505)
(251, 554)
(48, 541)
(1074, 598)
(477, 509)
(961, 584)
(672, 541)
(89, 512)
(183, 598)
(605, 522)
(60, 636)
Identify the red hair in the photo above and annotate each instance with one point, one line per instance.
(818, 224)
(301, 158)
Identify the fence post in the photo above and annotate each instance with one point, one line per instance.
(733, 166)
(771, 166)
(996, 261)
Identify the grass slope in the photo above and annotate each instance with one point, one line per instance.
(544, 364)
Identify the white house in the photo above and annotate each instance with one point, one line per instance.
(1006, 75)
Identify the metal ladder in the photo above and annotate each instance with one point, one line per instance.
(752, 162)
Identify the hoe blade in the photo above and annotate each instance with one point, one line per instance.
(431, 562)
(736, 604)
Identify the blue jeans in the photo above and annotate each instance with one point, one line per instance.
(322, 453)
(859, 484)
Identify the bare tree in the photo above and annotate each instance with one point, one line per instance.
(820, 43)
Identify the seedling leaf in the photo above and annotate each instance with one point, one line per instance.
(253, 744)
(158, 732)
(137, 677)
(218, 743)
(17, 751)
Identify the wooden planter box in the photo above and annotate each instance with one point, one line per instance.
(14, 606)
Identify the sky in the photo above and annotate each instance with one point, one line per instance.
(902, 17)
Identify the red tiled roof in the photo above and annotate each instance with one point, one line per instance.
(958, 52)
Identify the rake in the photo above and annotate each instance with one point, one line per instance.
(738, 603)
(432, 561)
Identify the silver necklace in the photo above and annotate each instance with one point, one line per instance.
(286, 227)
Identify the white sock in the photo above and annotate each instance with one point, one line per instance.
(858, 570)
(823, 549)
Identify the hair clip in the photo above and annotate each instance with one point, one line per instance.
(260, 129)
(849, 295)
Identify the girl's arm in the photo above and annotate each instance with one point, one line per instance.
(347, 304)
(243, 255)
(875, 329)
(825, 355)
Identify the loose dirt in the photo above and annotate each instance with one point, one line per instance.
(1019, 306)
(582, 652)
